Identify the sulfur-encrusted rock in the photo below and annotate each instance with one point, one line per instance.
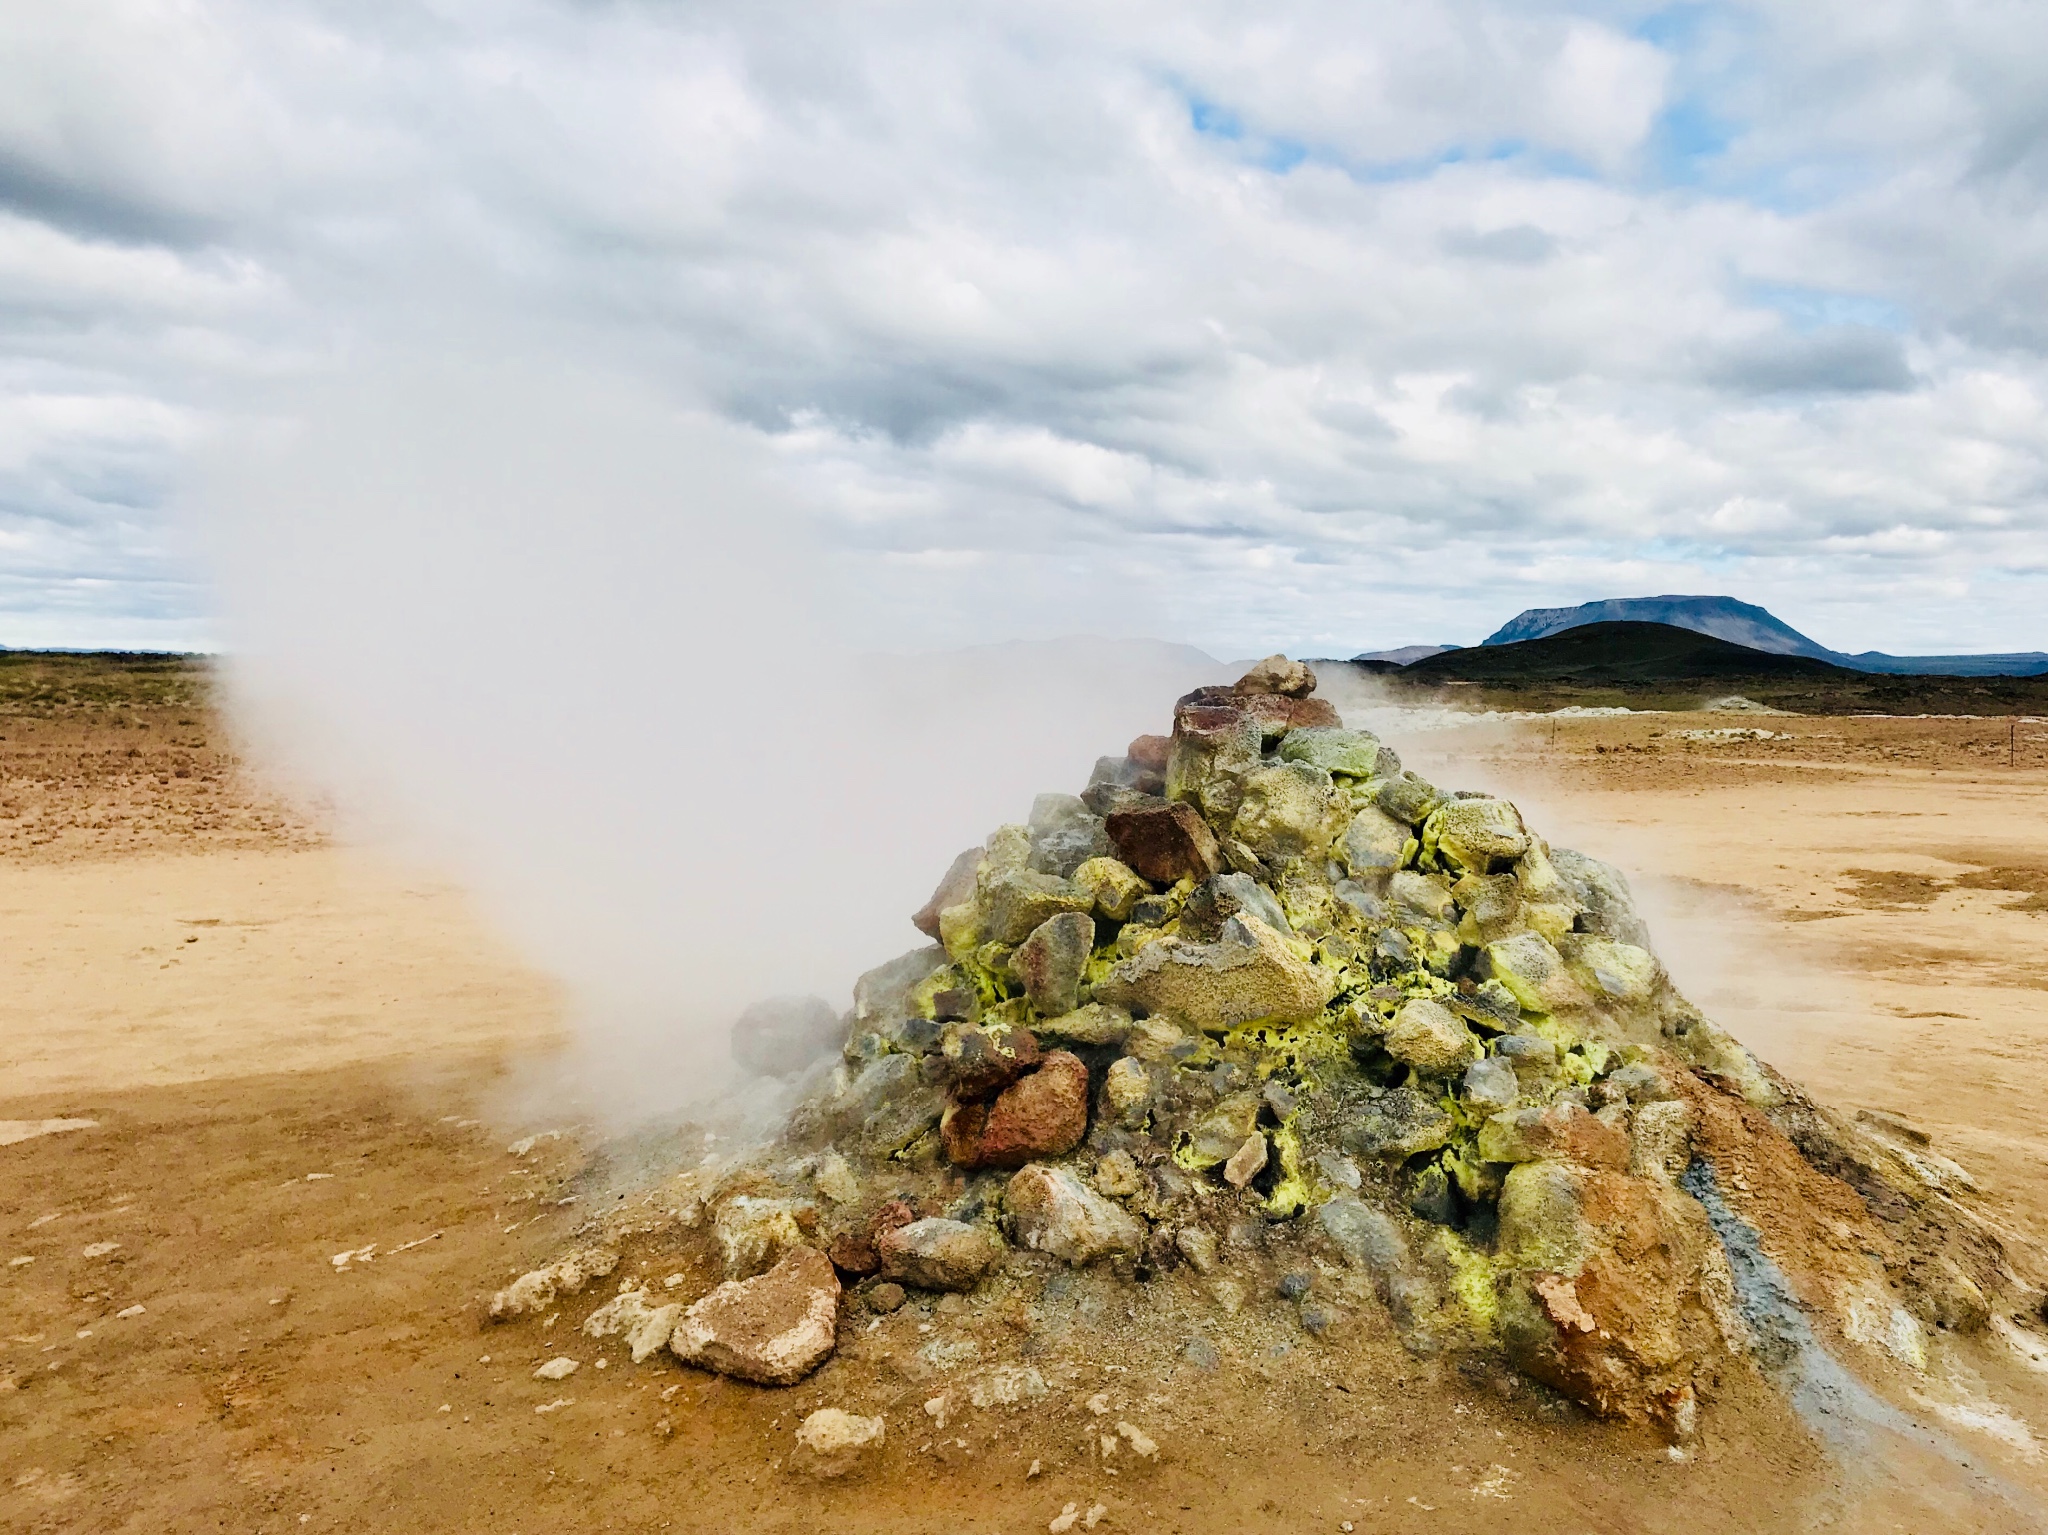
(1409, 799)
(937, 1254)
(1375, 843)
(1095, 1024)
(957, 886)
(1166, 842)
(1052, 1211)
(882, 1107)
(536, 1291)
(1490, 1084)
(1284, 812)
(1482, 836)
(1396, 1123)
(981, 1060)
(1249, 973)
(1018, 900)
(773, 1329)
(1051, 961)
(884, 992)
(1352, 753)
(1602, 1295)
(783, 1036)
(1113, 886)
(1044, 1114)
(1602, 893)
(1536, 974)
(1214, 745)
(1278, 674)
(1563, 1131)
(1617, 973)
(832, 1442)
(1216, 1134)
(1431, 1038)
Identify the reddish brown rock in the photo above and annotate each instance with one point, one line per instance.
(982, 1061)
(774, 1329)
(1149, 753)
(1563, 1132)
(854, 1252)
(1042, 1115)
(956, 887)
(1306, 712)
(1166, 842)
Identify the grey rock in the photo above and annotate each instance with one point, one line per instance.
(1248, 973)
(1020, 899)
(1526, 1053)
(1431, 1195)
(1052, 1211)
(1201, 1353)
(1233, 893)
(1409, 799)
(1491, 1084)
(1051, 961)
(956, 886)
(884, 991)
(938, 1254)
(1423, 898)
(1396, 1123)
(885, 1107)
(1065, 834)
(783, 1036)
(1602, 890)
(1294, 1286)
(1375, 841)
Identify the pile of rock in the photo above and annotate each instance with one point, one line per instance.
(1259, 988)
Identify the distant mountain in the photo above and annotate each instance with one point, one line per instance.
(1743, 623)
(1407, 655)
(1616, 652)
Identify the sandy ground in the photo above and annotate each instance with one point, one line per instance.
(289, 1053)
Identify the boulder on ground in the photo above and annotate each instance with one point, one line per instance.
(1051, 961)
(773, 1329)
(1052, 1211)
(832, 1442)
(1603, 1297)
(938, 1254)
(1166, 842)
(1249, 973)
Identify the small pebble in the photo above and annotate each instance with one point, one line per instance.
(1295, 1286)
(556, 1369)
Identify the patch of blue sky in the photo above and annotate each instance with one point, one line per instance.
(1281, 153)
(1811, 309)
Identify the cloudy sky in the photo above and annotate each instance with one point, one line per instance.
(1324, 326)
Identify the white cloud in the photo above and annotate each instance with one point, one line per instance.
(1371, 322)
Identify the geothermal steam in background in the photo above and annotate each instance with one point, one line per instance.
(573, 643)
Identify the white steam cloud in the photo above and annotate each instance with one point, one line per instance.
(580, 646)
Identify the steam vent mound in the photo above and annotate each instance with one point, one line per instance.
(1262, 1042)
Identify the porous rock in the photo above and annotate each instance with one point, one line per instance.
(832, 1442)
(1431, 1038)
(1052, 1211)
(1602, 1298)
(1284, 812)
(1535, 972)
(1127, 1093)
(773, 1329)
(1113, 886)
(938, 1254)
(1278, 674)
(1353, 753)
(1044, 1114)
(1396, 1123)
(1249, 973)
(1166, 842)
(1095, 1024)
(1375, 842)
(1020, 899)
(1484, 836)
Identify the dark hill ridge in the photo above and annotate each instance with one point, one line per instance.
(1616, 653)
(1743, 623)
